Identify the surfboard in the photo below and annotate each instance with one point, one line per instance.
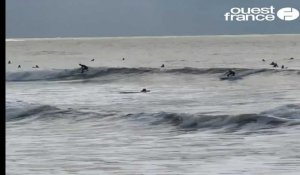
(229, 78)
(130, 92)
(145, 91)
(127, 92)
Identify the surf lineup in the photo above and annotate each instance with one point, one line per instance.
(230, 74)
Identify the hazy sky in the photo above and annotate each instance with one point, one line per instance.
(87, 18)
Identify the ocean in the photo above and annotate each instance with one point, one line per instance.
(192, 121)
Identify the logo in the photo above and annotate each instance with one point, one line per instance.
(263, 14)
(288, 14)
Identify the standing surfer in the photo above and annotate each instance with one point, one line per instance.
(230, 73)
(83, 68)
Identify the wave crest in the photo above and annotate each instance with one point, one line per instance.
(283, 116)
(32, 112)
(288, 115)
(74, 74)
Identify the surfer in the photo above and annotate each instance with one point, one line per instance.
(93, 60)
(19, 66)
(263, 60)
(123, 59)
(282, 67)
(291, 58)
(230, 73)
(36, 66)
(9, 62)
(162, 66)
(145, 90)
(83, 68)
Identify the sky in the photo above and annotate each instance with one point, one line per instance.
(109, 18)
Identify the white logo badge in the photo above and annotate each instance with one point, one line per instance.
(288, 14)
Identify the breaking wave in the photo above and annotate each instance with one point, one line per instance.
(32, 112)
(287, 115)
(74, 74)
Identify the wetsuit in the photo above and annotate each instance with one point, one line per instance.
(230, 73)
(83, 68)
(145, 90)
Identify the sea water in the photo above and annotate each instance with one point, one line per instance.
(62, 121)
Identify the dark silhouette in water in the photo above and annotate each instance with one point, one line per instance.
(145, 90)
(230, 73)
(83, 68)
(274, 64)
(93, 60)
(162, 66)
(123, 59)
(19, 66)
(36, 66)
(282, 67)
(9, 62)
(291, 58)
(263, 60)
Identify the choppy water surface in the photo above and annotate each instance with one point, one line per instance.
(59, 121)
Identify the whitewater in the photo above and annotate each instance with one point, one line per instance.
(62, 121)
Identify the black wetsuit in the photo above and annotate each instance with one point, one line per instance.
(83, 68)
(145, 90)
(230, 73)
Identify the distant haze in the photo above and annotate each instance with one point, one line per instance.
(99, 18)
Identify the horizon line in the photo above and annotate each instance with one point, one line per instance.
(144, 36)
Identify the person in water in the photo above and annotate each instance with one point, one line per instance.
(145, 90)
(123, 59)
(19, 66)
(9, 62)
(263, 60)
(83, 68)
(274, 64)
(36, 66)
(230, 73)
(93, 60)
(162, 66)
